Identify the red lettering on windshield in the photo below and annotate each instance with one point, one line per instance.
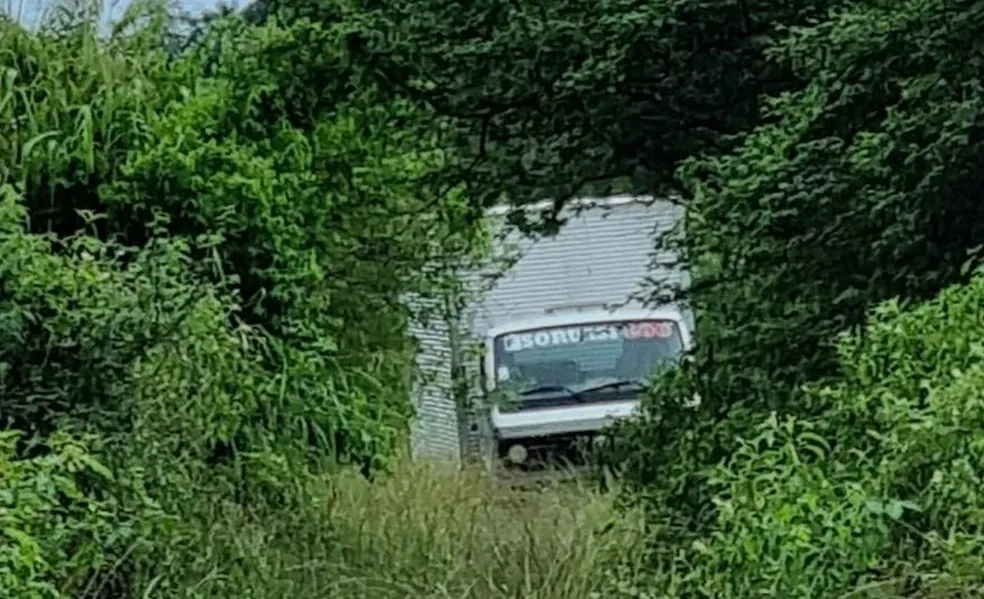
(649, 330)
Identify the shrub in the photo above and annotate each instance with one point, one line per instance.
(203, 261)
(859, 185)
(874, 492)
(60, 534)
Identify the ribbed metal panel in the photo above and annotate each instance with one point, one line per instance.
(603, 255)
(435, 430)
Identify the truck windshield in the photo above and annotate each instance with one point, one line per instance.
(585, 356)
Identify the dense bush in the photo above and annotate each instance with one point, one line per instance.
(204, 258)
(858, 187)
(55, 533)
(566, 96)
(873, 491)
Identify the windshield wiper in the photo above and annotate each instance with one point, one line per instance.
(615, 385)
(553, 389)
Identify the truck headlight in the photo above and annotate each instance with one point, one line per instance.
(517, 454)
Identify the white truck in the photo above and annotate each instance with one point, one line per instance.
(564, 329)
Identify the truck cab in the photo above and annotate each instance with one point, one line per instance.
(561, 378)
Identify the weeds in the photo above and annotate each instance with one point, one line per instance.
(424, 532)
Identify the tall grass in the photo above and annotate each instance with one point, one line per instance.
(422, 533)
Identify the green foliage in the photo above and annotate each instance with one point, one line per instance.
(303, 213)
(204, 258)
(54, 533)
(311, 202)
(857, 188)
(206, 244)
(564, 96)
(911, 395)
(787, 526)
(872, 492)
